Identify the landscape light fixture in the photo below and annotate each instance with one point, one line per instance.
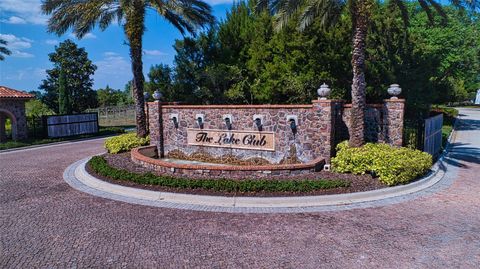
(228, 123)
(293, 126)
(258, 122)
(200, 122)
(175, 122)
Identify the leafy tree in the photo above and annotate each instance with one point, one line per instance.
(78, 69)
(35, 108)
(327, 12)
(112, 97)
(64, 106)
(82, 16)
(161, 78)
(3, 50)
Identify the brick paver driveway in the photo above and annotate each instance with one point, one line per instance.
(47, 224)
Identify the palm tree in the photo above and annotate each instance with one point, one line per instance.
(3, 50)
(328, 12)
(82, 16)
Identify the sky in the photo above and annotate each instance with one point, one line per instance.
(23, 26)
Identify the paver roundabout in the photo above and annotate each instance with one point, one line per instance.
(48, 224)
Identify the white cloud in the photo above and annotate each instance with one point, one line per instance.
(112, 64)
(26, 73)
(86, 36)
(154, 53)
(14, 20)
(17, 44)
(52, 42)
(27, 10)
(21, 54)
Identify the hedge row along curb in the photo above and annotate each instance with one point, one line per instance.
(100, 166)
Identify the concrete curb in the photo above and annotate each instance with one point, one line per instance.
(77, 177)
(80, 179)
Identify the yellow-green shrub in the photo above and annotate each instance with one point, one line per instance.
(125, 142)
(392, 165)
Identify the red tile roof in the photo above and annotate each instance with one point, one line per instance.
(11, 93)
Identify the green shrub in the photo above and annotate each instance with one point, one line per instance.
(392, 165)
(125, 142)
(101, 167)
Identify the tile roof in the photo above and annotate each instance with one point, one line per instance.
(6, 92)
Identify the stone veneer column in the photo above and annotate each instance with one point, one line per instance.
(324, 131)
(22, 131)
(393, 115)
(153, 123)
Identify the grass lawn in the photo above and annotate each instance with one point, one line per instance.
(104, 131)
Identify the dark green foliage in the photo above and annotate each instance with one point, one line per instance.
(112, 97)
(100, 166)
(244, 60)
(160, 78)
(78, 69)
(64, 106)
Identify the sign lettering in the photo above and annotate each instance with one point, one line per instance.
(232, 139)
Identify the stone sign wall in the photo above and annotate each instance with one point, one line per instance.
(287, 133)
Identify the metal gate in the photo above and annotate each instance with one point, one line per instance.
(70, 125)
(433, 135)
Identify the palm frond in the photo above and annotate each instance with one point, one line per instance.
(80, 15)
(427, 9)
(185, 15)
(438, 8)
(327, 11)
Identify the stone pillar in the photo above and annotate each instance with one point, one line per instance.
(393, 110)
(3, 135)
(22, 130)
(153, 123)
(324, 130)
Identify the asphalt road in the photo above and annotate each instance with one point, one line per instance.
(44, 223)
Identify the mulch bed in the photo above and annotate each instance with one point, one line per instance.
(358, 183)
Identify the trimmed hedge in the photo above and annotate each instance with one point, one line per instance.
(125, 142)
(101, 167)
(392, 165)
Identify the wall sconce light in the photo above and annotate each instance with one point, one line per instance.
(200, 120)
(175, 119)
(228, 121)
(293, 126)
(258, 122)
(293, 121)
(175, 122)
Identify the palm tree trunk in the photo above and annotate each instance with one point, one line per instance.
(134, 29)
(357, 119)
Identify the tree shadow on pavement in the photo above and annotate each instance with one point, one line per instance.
(462, 152)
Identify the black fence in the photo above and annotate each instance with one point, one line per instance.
(413, 133)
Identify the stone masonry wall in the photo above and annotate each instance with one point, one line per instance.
(320, 126)
(383, 122)
(19, 122)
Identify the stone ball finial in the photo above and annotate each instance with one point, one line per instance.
(394, 90)
(157, 95)
(323, 91)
